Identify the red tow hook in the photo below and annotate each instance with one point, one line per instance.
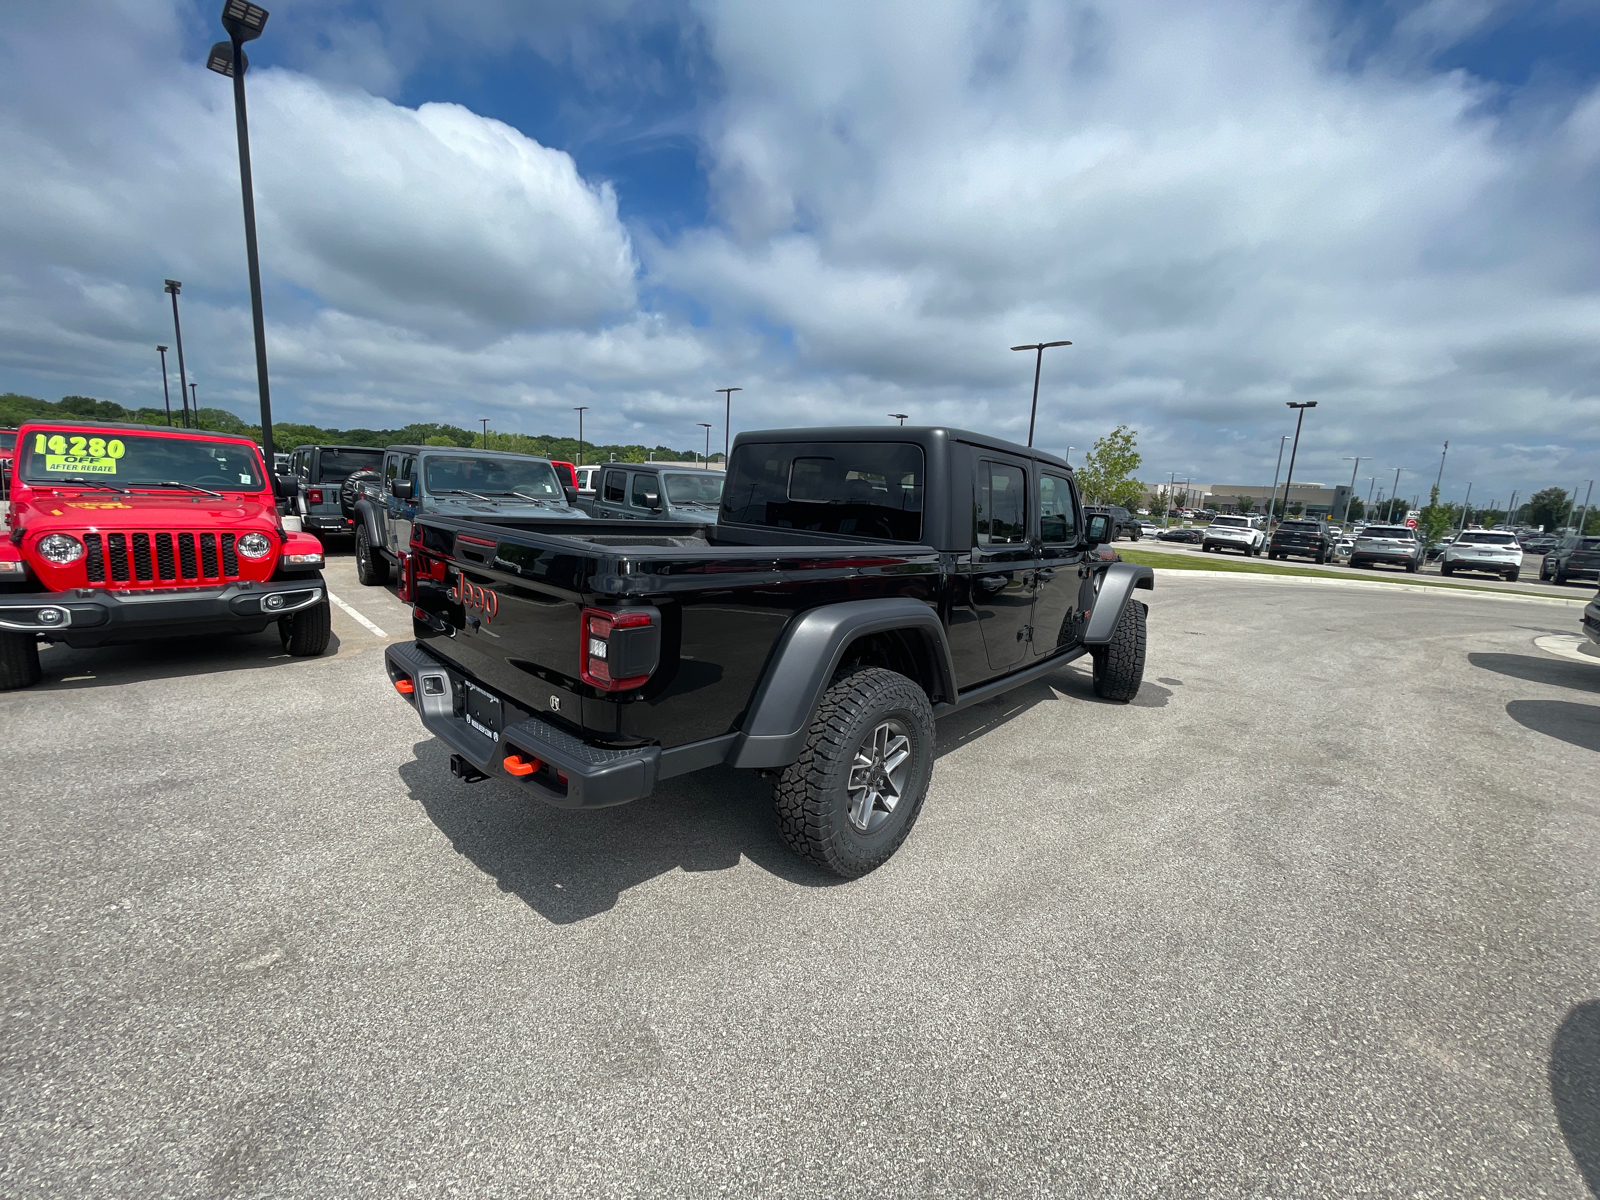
(517, 765)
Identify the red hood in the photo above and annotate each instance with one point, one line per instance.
(49, 508)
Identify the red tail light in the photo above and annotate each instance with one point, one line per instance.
(314, 496)
(620, 649)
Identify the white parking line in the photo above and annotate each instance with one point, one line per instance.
(360, 620)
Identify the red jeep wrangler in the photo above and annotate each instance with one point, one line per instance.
(120, 533)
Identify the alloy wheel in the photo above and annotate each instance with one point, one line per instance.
(879, 775)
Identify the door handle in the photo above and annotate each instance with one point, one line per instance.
(994, 582)
(1046, 573)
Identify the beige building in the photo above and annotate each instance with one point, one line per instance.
(1319, 501)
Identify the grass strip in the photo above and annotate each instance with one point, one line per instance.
(1250, 566)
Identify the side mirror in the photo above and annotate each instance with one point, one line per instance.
(652, 501)
(403, 489)
(285, 486)
(571, 493)
(1098, 531)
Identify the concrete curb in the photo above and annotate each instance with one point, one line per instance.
(1169, 573)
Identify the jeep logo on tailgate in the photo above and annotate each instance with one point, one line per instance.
(472, 597)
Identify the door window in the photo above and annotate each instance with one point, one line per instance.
(616, 485)
(391, 468)
(1000, 505)
(1058, 523)
(643, 485)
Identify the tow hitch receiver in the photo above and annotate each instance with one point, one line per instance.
(465, 771)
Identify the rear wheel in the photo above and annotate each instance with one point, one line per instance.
(1561, 576)
(852, 797)
(1411, 566)
(306, 633)
(371, 569)
(19, 661)
(1512, 576)
(1446, 569)
(1119, 664)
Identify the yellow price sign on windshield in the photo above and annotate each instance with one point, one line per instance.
(78, 455)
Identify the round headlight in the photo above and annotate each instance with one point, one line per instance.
(255, 545)
(61, 548)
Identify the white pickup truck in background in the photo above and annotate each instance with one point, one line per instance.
(1233, 533)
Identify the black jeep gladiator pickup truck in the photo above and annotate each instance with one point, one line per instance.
(856, 585)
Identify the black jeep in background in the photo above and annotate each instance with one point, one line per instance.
(1123, 522)
(319, 473)
(856, 584)
(1301, 539)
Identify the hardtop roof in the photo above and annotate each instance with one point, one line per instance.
(922, 435)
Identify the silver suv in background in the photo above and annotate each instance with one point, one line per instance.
(650, 492)
(1483, 550)
(1393, 545)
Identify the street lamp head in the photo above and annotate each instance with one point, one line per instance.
(243, 21)
(173, 287)
(220, 59)
(900, 416)
(1041, 345)
(1307, 404)
(161, 349)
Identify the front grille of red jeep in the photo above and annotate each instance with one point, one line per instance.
(154, 559)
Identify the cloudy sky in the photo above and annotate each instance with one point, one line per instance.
(501, 209)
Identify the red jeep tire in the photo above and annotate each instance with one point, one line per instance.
(306, 633)
(19, 661)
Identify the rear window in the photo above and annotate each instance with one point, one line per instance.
(1487, 539)
(338, 465)
(1589, 543)
(1234, 522)
(8, 439)
(1300, 527)
(1386, 531)
(865, 489)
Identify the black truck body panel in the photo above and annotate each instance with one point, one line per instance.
(755, 620)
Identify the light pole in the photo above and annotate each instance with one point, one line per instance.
(580, 410)
(1583, 512)
(902, 416)
(166, 394)
(706, 425)
(1172, 482)
(1394, 493)
(1440, 478)
(1272, 500)
(192, 386)
(172, 289)
(1466, 507)
(1352, 494)
(727, 422)
(1295, 448)
(1039, 348)
(484, 421)
(1070, 449)
(1372, 482)
(244, 22)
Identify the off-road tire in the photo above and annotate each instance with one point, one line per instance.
(1119, 664)
(810, 800)
(19, 661)
(371, 569)
(306, 633)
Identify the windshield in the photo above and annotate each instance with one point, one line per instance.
(698, 487)
(8, 439)
(869, 489)
(496, 477)
(338, 463)
(1235, 522)
(1589, 543)
(1488, 539)
(1398, 531)
(125, 459)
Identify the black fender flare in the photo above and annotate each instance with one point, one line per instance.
(1116, 586)
(368, 514)
(774, 729)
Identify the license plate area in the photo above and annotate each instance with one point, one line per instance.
(483, 711)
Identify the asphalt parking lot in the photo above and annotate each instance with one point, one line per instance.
(1316, 915)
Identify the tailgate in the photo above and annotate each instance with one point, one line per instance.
(508, 615)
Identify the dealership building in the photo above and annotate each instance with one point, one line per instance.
(1319, 501)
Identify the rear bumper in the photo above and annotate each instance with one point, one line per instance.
(1494, 566)
(323, 522)
(88, 617)
(1379, 556)
(573, 774)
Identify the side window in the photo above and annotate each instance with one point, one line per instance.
(1001, 505)
(408, 467)
(391, 468)
(298, 466)
(616, 486)
(643, 484)
(1058, 523)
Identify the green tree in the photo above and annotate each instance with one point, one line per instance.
(439, 440)
(1436, 520)
(1357, 509)
(1106, 476)
(1296, 508)
(1244, 504)
(1549, 508)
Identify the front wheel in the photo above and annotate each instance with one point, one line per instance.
(307, 633)
(1446, 569)
(1411, 567)
(853, 795)
(1119, 664)
(371, 570)
(19, 661)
